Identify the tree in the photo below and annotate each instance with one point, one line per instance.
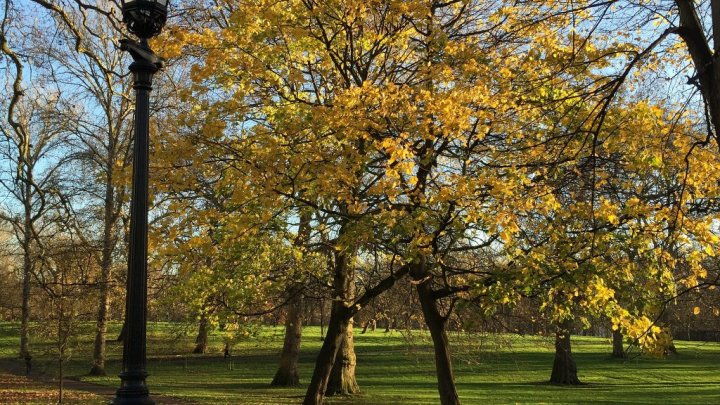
(437, 129)
(287, 374)
(693, 32)
(30, 136)
(63, 279)
(409, 124)
(83, 64)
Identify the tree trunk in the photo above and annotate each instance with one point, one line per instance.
(106, 262)
(201, 341)
(123, 332)
(339, 319)
(618, 351)
(322, 320)
(287, 374)
(564, 368)
(665, 321)
(62, 339)
(692, 32)
(26, 287)
(25, 320)
(436, 323)
(342, 378)
(98, 367)
(340, 316)
(341, 312)
(61, 378)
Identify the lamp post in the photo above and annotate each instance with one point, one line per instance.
(144, 18)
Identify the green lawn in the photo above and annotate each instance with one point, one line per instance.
(395, 369)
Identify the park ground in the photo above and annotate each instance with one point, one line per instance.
(393, 368)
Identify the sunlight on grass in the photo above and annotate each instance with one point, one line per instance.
(397, 368)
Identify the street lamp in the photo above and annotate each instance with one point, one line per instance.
(145, 19)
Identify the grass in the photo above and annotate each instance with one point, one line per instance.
(398, 369)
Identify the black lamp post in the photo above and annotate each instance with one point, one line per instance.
(145, 19)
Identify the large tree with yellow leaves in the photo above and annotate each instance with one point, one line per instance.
(433, 129)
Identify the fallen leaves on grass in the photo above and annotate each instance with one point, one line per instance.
(22, 390)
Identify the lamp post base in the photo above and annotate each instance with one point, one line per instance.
(133, 390)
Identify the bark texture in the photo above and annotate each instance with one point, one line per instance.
(110, 216)
(342, 378)
(436, 324)
(340, 315)
(704, 58)
(287, 374)
(25, 320)
(341, 312)
(564, 369)
(27, 268)
(98, 366)
(201, 341)
(618, 350)
(326, 358)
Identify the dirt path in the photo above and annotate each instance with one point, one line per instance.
(16, 387)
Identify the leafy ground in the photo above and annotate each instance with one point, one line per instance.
(16, 389)
(393, 368)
